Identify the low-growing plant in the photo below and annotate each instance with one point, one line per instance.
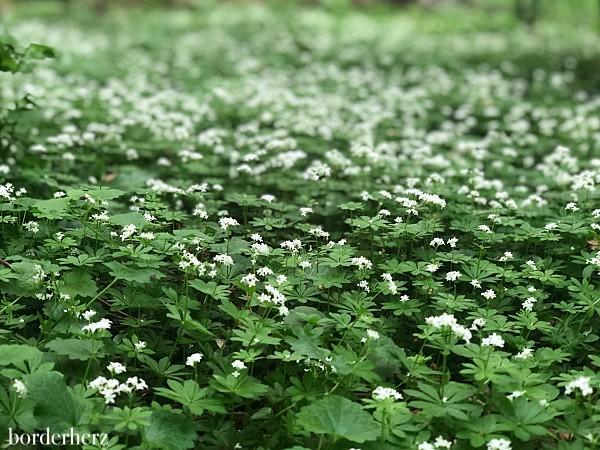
(300, 232)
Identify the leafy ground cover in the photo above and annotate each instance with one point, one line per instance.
(301, 230)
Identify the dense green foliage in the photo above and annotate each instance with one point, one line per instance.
(241, 228)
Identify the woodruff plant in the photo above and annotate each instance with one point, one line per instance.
(292, 232)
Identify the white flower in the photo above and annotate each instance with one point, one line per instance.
(304, 264)
(572, 206)
(249, 280)
(527, 305)
(484, 228)
(478, 323)
(102, 324)
(425, 446)
(364, 285)
(268, 198)
(493, 340)
(238, 364)
(452, 242)
(436, 242)
(432, 267)
(226, 260)
(372, 334)
(525, 353)
(100, 217)
(383, 393)
(489, 294)
(582, 383)
(116, 368)
(260, 248)
(305, 211)
(476, 284)
(515, 394)
(264, 271)
(194, 359)
(89, 314)
(200, 211)
(448, 320)
(128, 231)
(531, 264)
(453, 276)
(293, 246)
(499, 444)
(136, 383)
(20, 388)
(32, 227)
(226, 222)
(188, 260)
(361, 262)
(440, 442)
(139, 346)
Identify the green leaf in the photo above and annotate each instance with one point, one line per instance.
(169, 431)
(339, 417)
(130, 218)
(57, 407)
(243, 386)
(79, 283)
(218, 292)
(78, 348)
(191, 396)
(39, 51)
(122, 272)
(52, 209)
(14, 354)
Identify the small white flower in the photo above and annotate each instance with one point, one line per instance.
(116, 368)
(572, 206)
(238, 364)
(582, 383)
(194, 359)
(383, 393)
(32, 227)
(525, 353)
(499, 444)
(128, 231)
(226, 260)
(20, 388)
(249, 280)
(362, 263)
(484, 228)
(226, 222)
(139, 346)
(493, 340)
(102, 324)
(453, 276)
(515, 394)
(436, 242)
(489, 294)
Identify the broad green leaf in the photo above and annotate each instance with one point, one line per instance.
(82, 349)
(79, 283)
(338, 417)
(170, 431)
(16, 353)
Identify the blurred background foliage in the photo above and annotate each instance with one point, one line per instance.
(490, 13)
